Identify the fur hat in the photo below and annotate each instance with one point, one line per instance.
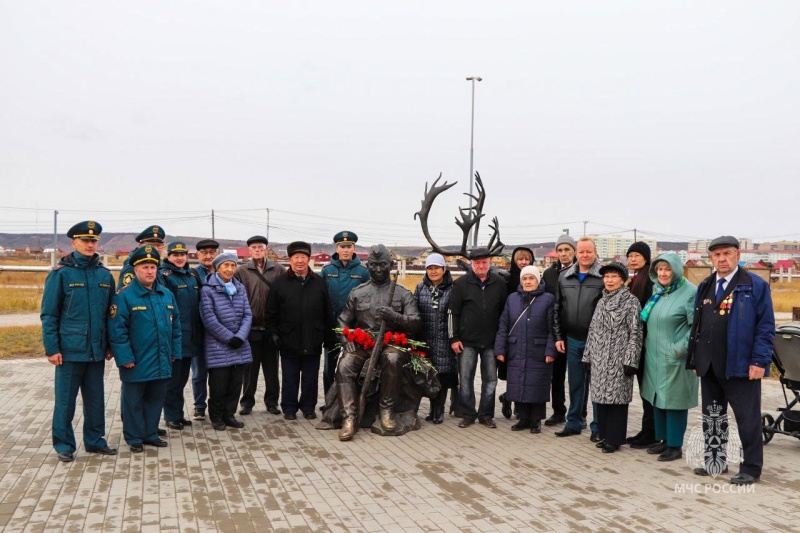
(298, 247)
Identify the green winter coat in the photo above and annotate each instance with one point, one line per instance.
(185, 286)
(75, 302)
(144, 328)
(667, 383)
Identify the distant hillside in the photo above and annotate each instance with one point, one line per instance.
(110, 242)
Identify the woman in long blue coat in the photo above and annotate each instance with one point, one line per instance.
(525, 342)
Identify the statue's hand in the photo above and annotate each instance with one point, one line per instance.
(349, 347)
(385, 313)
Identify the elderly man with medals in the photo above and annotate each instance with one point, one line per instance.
(730, 348)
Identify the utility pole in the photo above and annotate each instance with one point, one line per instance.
(566, 231)
(55, 239)
(634, 234)
(213, 236)
(268, 223)
(584, 227)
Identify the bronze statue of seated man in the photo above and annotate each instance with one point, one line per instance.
(396, 389)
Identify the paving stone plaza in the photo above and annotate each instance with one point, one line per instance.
(276, 475)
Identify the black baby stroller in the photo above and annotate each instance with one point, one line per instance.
(786, 356)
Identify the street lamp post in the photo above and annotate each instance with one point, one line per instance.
(473, 79)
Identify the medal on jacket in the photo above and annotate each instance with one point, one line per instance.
(725, 305)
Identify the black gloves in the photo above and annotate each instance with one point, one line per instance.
(276, 341)
(629, 370)
(235, 343)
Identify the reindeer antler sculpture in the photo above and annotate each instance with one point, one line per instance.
(470, 217)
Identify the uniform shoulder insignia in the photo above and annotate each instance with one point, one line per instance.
(166, 272)
(58, 267)
(122, 288)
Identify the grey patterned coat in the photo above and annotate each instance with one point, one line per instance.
(615, 340)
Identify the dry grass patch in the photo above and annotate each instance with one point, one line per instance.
(21, 341)
(22, 278)
(20, 300)
(785, 296)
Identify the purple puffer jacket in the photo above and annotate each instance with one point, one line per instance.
(225, 318)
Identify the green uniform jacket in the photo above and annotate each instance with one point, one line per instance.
(144, 327)
(125, 274)
(342, 280)
(185, 286)
(76, 297)
(667, 383)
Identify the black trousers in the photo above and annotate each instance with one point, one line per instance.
(329, 368)
(744, 396)
(224, 387)
(612, 422)
(265, 358)
(558, 390)
(300, 373)
(173, 400)
(531, 412)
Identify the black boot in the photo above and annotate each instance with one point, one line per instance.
(454, 408)
(506, 406)
(437, 407)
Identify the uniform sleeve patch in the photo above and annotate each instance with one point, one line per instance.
(112, 311)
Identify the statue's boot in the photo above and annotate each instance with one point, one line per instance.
(348, 429)
(387, 422)
(347, 398)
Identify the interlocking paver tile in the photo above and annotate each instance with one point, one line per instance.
(276, 475)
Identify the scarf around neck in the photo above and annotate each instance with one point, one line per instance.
(230, 288)
(658, 292)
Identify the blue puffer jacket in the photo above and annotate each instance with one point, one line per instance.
(527, 344)
(225, 318)
(342, 279)
(751, 325)
(144, 328)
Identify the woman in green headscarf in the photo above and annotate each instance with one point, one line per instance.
(667, 384)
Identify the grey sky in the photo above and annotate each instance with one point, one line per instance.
(335, 114)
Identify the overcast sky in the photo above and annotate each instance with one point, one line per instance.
(681, 119)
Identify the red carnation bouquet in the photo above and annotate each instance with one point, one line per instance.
(365, 339)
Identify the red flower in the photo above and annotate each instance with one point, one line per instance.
(401, 339)
(387, 338)
(346, 332)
